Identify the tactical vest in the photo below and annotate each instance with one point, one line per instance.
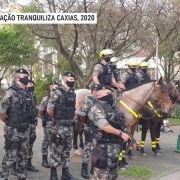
(19, 111)
(116, 75)
(145, 77)
(105, 77)
(106, 137)
(65, 107)
(45, 114)
(93, 101)
(131, 80)
(31, 100)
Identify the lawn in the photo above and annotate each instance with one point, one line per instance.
(174, 121)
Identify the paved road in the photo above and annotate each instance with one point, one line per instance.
(166, 164)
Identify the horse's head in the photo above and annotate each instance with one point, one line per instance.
(160, 96)
(174, 91)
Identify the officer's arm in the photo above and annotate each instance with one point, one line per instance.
(5, 104)
(109, 129)
(95, 80)
(50, 113)
(3, 117)
(42, 106)
(52, 103)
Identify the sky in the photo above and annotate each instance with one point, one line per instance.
(23, 2)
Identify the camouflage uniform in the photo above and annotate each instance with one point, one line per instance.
(99, 119)
(62, 139)
(16, 131)
(87, 103)
(33, 121)
(47, 125)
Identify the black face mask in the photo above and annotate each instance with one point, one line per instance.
(133, 69)
(24, 80)
(108, 98)
(107, 59)
(114, 66)
(31, 88)
(70, 83)
(144, 70)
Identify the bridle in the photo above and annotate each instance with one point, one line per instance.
(156, 90)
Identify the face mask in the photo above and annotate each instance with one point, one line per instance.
(70, 83)
(107, 59)
(24, 80)
(114, 66)
(108, 98)
(133, 69)
(31, 88)
(144, 70)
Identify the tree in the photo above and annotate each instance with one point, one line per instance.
(15, 49)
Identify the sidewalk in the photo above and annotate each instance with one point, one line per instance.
(171, 175)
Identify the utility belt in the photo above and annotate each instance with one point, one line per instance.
(65, 122)
(21, 129)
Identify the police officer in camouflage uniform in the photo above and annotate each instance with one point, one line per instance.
(14, 111)
(103, 71)
(61, 108)
(47, 124)
(33, 123)
(87, 103)
(105, 154)
(143, 74)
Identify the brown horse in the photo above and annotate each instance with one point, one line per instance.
(135, 98)
(81, 94)
(153, 119)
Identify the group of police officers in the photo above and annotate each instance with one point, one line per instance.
(57, 110)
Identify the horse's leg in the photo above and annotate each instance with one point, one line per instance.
(81, 144)
(158, 130)
(122, 161)
(153, 126)
(144, 124)
(75, 142)
(130, 155)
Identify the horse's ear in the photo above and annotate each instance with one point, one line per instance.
(160, 81)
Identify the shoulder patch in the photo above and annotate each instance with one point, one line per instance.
(98, 110)
(55, 96)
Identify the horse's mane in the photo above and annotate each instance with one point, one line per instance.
(138, 85)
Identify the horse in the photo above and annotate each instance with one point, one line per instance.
(153, 119)
(135, 97)
(81, 94)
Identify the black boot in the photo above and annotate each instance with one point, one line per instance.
(22, 179)
(92, 170)
(66, 175)
(53, 174)
(45, 162)
(84, 171)
(30, 167)
(14, 170)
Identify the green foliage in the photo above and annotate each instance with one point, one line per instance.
(174, 121)
(15, 49)
(32, 8)
(175, 113)
(63, 65)
(42, 86)
(137, 172)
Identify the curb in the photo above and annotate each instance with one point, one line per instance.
(166, 173)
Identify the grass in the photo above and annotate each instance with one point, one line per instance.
(174, 121)
(138, 172)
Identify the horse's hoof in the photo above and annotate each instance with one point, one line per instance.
(132, 158)
(157, 154)
(77, 153)
(143, 154)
